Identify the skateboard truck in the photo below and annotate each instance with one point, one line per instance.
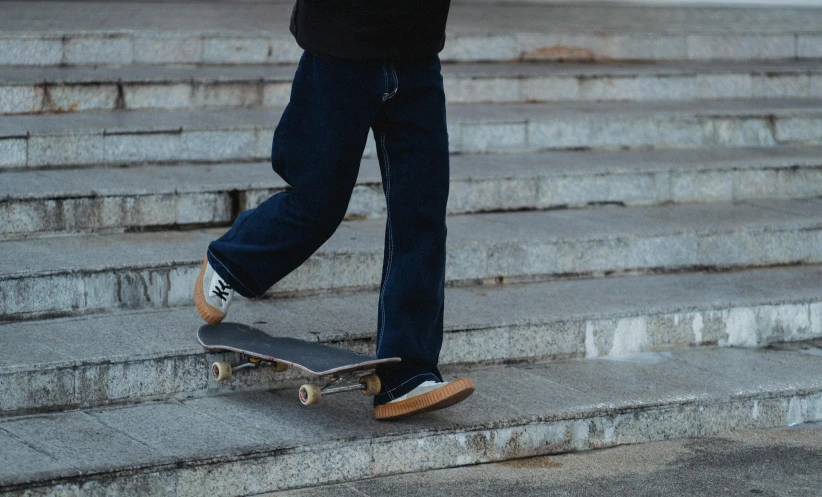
(309, 394)
(224, 370)
(367, 385)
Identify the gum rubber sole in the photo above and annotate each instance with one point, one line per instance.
(209, 314)
(452, 393)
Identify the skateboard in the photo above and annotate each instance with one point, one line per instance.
(343, 368)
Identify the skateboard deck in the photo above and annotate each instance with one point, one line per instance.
(261, 349)
(313, 358)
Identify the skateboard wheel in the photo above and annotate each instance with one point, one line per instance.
(310, 395)
(279, 367)
(372, 384)
(221, 371)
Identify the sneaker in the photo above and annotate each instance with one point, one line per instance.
(212, 294)
(428, 396)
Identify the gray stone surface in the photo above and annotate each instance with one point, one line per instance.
(35, 50)
(13, 153)
(20, 99)
(468, 16)
(185, 430)
(64, 362)
(158, 47)
(253, 32)
(29, 390)
(755, 376)
(664, 375)
(245, 134)
(191, 436)
(18, 459)
(154, 270)
(66, 149)
(204, 87)
(78, 98)
(269, 442)
(94, 199)
(78, 440)
(771, 46)
(98, 49)
(770, 462)
(809, 46)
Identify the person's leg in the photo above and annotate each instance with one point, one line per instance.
(317, 149)
(412, 146)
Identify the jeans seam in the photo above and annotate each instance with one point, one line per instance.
(385, 77)
(387, 95)
(390, 239)
(232, 274)
(389, 225)
(396, 82)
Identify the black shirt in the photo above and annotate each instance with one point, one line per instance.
(370, 30)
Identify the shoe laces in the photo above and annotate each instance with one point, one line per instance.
(221, 290)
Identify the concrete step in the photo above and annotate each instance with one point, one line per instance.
(122, 33)
(90, 273)
(72, 200)
(249, 443)
(133, 356)
(67, 89)
(136, 137)
(786, 462)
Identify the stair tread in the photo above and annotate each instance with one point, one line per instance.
(284, 72)
(132, 336)
(174, 121)
(708, 389)
(145, 180)
(177, 432)
(96, 252)
(253, 18)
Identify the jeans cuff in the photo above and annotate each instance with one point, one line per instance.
(226, 274)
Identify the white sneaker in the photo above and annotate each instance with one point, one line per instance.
(428, 396)
(423, 387)
(212, 295)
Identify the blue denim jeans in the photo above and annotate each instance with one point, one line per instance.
(317, 149)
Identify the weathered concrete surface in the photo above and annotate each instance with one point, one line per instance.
(109, 198)
(126, 357)
(153, 270)
(774, 462)
(468, 16)
(64, 89)
(136, 137)
(269, 442)
(86, 33)
(192, 441)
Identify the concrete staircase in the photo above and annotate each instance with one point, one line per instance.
(660, 208)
